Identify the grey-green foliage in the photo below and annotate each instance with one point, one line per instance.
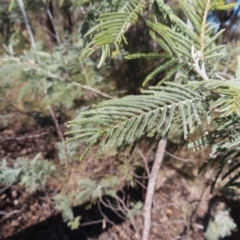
(86, 190)
(74, 224)
(178, 40)
(224, 138)
(221, 226)
(192, 57)
(93, 190)
(53, 76)
(95, 8)
(63, 203)
(113, 23)
(225, 142)
(125, 121)
(32, 174)
(66, 151)
(135, 209)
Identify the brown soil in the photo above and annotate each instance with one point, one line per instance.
(181, 202)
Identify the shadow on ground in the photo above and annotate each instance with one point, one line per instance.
(54, 228)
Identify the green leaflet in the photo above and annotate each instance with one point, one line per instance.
(111, 28)
(155, 110)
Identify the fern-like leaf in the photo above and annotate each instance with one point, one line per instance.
(111, 28)
(225, 143)
(123, 122)
(178, 39)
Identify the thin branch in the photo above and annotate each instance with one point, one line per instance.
(53, 115)
(25, 137)
(151, 187)
(31, 64)
(91, 223)
(56, 35)
(121, 207)
(30, 32)
(104, 216)
(222, 75)
(59, 132)
(84, 71)
(50, 33)
(145, 161)
(142, 185)
(92, 90)
(76, 84)
(140, 177)
(115, 209)
(7, 215)
(178, 158)
(2, 190)
(89, 88)
(127, 210)
(198, 204)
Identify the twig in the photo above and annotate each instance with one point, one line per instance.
(140, 177)
(121, 207)
(142, 185)
(31, 64)
(198, 204)
(60, 134)
(126, 209)
(84, 71)
(224, 74)
(50, 33)
(53, 115)
(91, 223)
(30, 32)
(25, 137)
(56, 35)
(145, 161)
(89, 88)
(104, 216)
(5, 189)
(8, 215)
(178, 158)
(151, 187)
(92, 90)
(115, 209)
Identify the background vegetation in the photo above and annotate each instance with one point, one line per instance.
(57, 63)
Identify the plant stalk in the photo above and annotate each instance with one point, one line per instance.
(147, 211)
(30, 32)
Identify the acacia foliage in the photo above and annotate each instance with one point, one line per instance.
(190, 90)
(192, 56)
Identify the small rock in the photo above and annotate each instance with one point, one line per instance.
(23, 152)
(14, 194)
(3, 196)
(14, 223)
(164, 218)
(169, 211)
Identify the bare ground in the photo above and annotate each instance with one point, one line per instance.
(182, 202)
